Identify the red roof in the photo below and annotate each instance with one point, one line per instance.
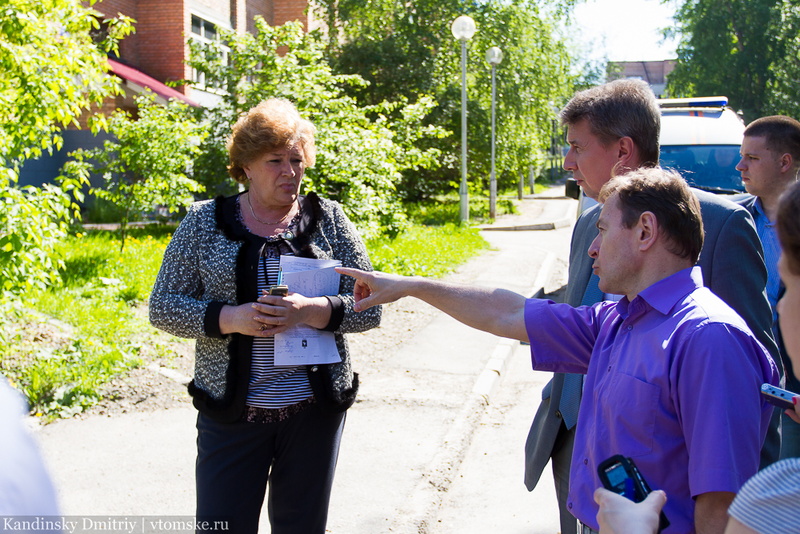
(140, 78)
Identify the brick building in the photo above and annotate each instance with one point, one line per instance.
(158, 50)
(156, 54)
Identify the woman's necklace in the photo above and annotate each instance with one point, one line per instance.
(267, 222)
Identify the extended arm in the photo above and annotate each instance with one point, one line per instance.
(497, 311)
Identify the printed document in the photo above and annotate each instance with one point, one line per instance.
(303, 345)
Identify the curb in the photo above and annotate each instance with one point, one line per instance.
(564, 220)
(419, 513)
(487, 381)
(559, 223)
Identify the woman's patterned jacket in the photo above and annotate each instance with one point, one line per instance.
(212, 260)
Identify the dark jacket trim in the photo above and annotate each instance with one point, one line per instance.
(322, 384)
(337, 313)
(231, 406)
(227, 409)
(211, 319)
(311, 213)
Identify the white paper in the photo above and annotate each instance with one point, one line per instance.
(304, 345)
(313, 283)
(296, 264)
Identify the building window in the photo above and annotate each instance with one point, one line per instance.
(205, 33)
(203, 29)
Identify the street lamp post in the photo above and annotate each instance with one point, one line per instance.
(493, 56)
(463, 29)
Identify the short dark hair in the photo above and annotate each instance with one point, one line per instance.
(782, 134)
(788, 226)
(622, 108)
(667, 195)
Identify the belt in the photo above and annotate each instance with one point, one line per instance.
(253, 414)
(586, 529)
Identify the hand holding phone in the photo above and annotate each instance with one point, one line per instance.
(280, 290)
(778, 397)
(620, 475)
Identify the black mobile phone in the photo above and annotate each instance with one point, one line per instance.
(279, 290)
(778, 397)
(620, 475)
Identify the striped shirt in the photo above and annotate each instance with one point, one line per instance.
(770, 501)
(273, 387)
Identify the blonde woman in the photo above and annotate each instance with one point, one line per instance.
(261, 425)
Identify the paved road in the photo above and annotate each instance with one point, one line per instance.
(433, 445)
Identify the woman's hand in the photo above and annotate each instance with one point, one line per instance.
(273, 314)
(794, 415)
(243, 319)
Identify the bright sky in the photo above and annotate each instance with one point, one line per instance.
(624, 30)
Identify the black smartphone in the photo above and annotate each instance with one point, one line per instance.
(778, 397)
(279, 290)
(620, 475)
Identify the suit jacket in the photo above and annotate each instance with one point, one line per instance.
(733, 267)
(792, 383)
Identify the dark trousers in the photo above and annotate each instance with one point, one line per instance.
(561, 459)
(296, 457)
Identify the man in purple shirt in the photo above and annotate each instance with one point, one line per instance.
(674, 373)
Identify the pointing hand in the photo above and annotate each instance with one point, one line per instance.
(373, 288)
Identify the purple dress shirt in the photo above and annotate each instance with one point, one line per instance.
(672, 381)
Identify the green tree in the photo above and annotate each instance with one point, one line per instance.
(728, 47)
(785, 70)
(407, 49)
(54, 70)
(534, 80)
(361, 149)
(146, 162)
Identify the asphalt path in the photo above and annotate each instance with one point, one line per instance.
(433, 445)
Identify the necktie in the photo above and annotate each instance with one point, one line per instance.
(573, 383)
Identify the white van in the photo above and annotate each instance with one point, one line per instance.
(700, 138)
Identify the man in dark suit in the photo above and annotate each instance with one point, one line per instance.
(610, 129)
(769, 165)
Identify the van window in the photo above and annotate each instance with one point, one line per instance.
(708, 167)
